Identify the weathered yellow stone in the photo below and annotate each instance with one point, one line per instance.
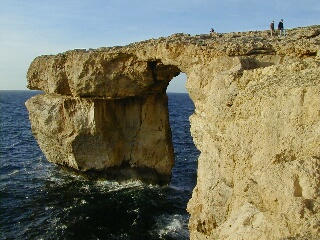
(256, 123)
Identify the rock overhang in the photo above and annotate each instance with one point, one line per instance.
(99, 74)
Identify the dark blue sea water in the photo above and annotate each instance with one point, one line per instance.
(39, 200)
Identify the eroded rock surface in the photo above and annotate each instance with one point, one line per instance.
(256, 123)
(95, 134)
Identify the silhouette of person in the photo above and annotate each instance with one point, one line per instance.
(281, 28)
(272, 28)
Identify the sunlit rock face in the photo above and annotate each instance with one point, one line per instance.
(256, 123)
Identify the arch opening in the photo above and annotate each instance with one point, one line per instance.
(180, 108)
(178, 84)
(133, 131)
(184, 171)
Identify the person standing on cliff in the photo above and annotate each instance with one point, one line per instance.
(281, 29)
(272, 28)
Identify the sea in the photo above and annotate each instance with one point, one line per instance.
(41, 200)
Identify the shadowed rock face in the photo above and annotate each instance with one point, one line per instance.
(96, 134)
(256, 123)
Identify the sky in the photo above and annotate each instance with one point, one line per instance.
(29, 28)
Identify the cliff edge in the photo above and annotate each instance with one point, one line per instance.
(256, 123)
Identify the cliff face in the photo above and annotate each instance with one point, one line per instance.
(95, 134)
(256, 123)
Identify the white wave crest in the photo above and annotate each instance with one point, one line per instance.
(174, 226)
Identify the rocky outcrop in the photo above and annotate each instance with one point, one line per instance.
(256, 123)
(95, 134)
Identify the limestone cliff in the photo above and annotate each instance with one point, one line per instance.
(95, 134)
(256, 123)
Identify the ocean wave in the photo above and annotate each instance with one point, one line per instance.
(172, 226)
(111, 186)
(13, 172)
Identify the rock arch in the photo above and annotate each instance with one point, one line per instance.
(256, 123)
(104, 112)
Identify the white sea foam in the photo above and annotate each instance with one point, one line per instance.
(111, 186)
(13, 172)
(180, 189)
(68, 209)
(174, 226)
(14, 144)
(48, 208)
(86, 188)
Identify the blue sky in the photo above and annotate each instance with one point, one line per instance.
(29, 28)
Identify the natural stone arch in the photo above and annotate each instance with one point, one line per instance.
(256, 121)
(109, 115)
